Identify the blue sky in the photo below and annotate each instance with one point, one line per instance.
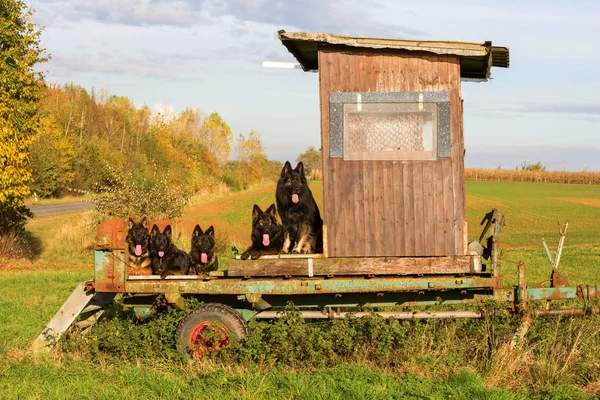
(207, 55)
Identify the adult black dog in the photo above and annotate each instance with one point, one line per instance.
(203, 254)
(267, 234)
(167, 259)
(302, 223)
(138, 246)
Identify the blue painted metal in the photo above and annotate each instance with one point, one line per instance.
(109, 271)
(548, 252)
(274, 286)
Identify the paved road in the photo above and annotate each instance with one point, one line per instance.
(63, 208)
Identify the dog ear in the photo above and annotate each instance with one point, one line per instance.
(256, 211)
(286, 168)
(167, 231)
(271, 210)
(144, 222)
(300, 168)
(155, 231)
(197, 231)
(210, 231)
(130, 223)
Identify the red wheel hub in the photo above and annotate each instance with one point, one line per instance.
(208, 337)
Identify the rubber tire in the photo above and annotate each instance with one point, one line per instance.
(210, 312)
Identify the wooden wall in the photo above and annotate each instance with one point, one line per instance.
(392, 208)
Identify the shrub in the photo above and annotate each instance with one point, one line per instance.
(123, 196)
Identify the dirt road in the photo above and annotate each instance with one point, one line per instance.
(63, 208)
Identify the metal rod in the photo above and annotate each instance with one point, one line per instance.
(548, 252)
(397, 315)
(545, 313)
(561, 242)
(522, 287)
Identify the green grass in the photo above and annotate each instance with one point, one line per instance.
(30, 293)
(533, 211)
(46, 379)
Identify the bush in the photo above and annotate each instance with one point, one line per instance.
(124, 196)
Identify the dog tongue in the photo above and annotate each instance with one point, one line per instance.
(161, 253)
(138, 249)
(203, 258)
(266, 240)
(294, 198)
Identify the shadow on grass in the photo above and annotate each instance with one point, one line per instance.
(34, 245)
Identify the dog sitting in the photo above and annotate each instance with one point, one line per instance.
(302, 223)
(167, 259)
(138, 246)
(267, 234)
(203, 254)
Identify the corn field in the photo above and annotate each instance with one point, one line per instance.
(479, 174)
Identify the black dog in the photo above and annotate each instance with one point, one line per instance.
(203, 254)
(302, 223)
(166, 257)
(138, 244)
(267, 234)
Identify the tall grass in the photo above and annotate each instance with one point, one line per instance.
(557, 353)
(479, 174)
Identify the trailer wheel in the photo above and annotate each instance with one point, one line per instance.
(208, 329)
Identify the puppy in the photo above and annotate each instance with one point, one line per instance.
(267, 234)
(167, 259)
(203, 254)
(138, 246)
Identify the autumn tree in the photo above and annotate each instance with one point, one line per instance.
(311, 159)
(20, 92)
(51, 161)
(217, 135)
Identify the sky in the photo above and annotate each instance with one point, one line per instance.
(206, 54)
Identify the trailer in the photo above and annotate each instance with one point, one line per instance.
(395, 231)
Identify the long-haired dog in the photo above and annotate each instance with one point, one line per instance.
(167, 259)
(204, 258)
(267, 234)
(138, 247)
(302, 223)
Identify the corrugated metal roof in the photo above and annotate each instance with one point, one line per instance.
(476, 59)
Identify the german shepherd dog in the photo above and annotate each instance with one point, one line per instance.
(138, 246)
(203, 254)
(166, 257)
(302, 223)
(267, 234)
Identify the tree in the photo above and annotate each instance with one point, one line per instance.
(51, 161)
(218, 136)
(20, 92)
(250, 149)
(311, 159)
(533, 167)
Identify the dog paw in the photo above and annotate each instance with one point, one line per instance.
(255, 255)
(245, 255)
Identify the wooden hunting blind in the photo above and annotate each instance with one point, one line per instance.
(392, 140)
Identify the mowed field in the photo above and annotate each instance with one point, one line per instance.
(31, 292)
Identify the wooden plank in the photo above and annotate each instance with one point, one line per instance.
(398, 195)
(409, 213)
(353, 266)
(338, 73)
(418, 209)
(438, 201)
(324, 62)
(428, 209)
(457, 156)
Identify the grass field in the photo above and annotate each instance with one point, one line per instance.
(31, 292)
